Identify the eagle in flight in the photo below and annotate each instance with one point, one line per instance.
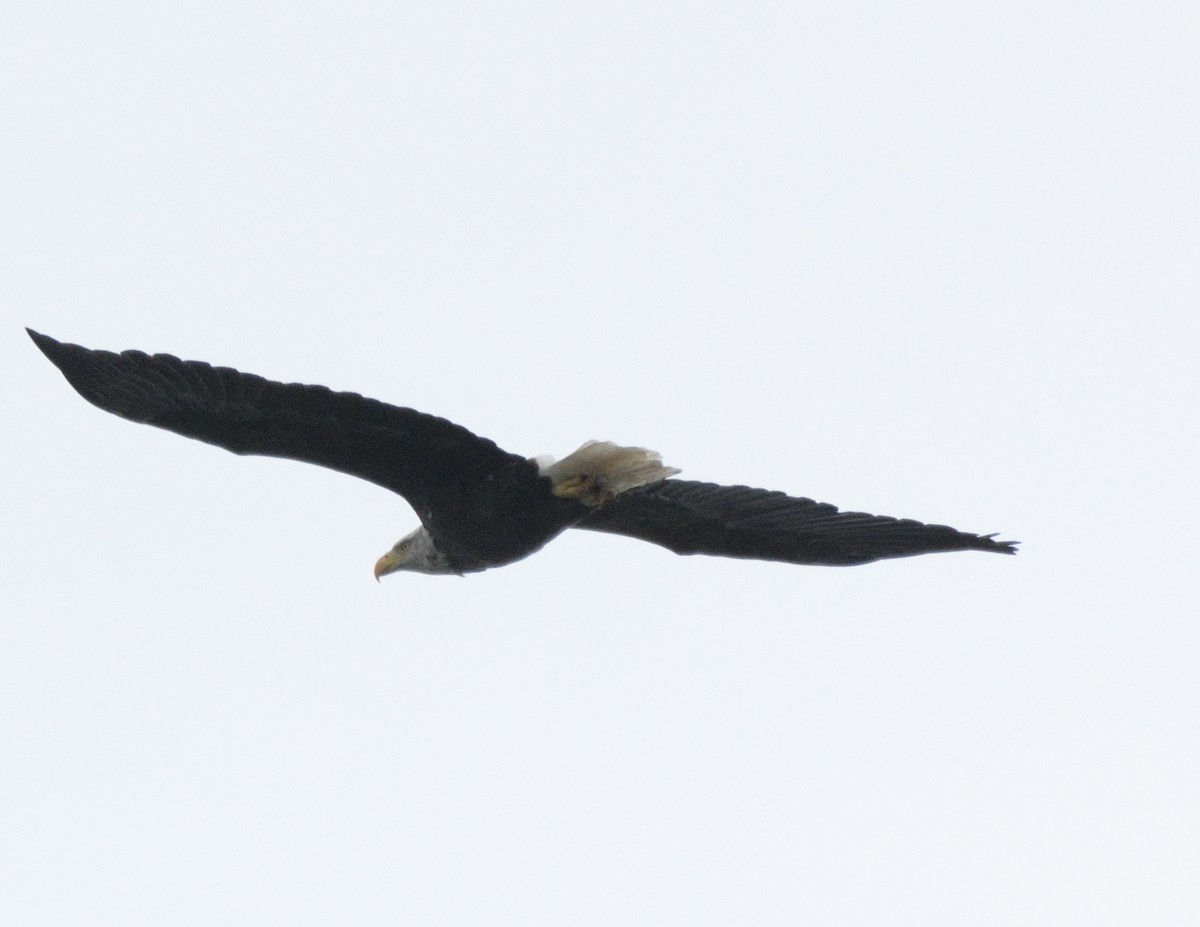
(480, 506)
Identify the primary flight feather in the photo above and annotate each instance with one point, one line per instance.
(481, 506)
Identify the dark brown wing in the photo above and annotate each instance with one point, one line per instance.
(737, 521)
(430, 461)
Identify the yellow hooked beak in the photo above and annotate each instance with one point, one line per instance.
(388, 563)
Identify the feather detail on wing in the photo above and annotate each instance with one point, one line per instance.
(689, 517)
(420, 456)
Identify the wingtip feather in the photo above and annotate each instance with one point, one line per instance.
(44, 342)
(1000, 547)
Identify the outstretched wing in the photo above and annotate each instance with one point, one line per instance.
(736, 521)
(423, 458)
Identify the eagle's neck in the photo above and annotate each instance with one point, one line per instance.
(425, 556)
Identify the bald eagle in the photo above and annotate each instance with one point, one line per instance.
(480, 506)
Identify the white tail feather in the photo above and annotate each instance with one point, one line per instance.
(606, 469)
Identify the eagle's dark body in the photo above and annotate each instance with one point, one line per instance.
(480, 506)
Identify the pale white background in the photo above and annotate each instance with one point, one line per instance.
(935, 260)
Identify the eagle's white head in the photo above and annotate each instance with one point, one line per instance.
(415, 552)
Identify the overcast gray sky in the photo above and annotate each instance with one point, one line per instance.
(934, 260)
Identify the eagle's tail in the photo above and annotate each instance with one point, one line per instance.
(600, 470)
